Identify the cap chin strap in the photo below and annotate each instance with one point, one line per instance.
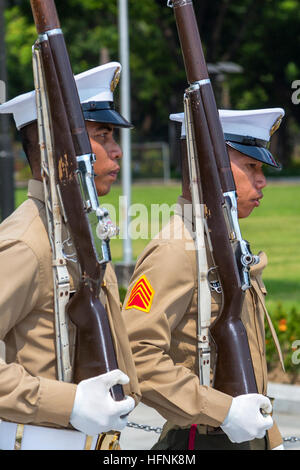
(97, 105)
(104, 112)
(246, 140)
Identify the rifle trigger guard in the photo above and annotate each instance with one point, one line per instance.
(214, 283)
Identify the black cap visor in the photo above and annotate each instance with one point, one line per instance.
(261, 154)
(104, 112)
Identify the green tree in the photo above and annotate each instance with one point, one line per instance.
(262, 37)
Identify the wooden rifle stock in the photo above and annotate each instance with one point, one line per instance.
(95, 352)
(234, 373)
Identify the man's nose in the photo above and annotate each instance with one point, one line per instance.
(114, 150)
(261, 180)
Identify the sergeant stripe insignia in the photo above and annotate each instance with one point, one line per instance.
(141, 295)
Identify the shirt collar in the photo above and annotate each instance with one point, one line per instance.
(36, 190)
(258, 268)
(184, 209)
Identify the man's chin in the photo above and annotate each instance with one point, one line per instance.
(103, 190)
(243, 214)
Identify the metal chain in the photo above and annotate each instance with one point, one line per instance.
(291, 439)
(144, 427)
(158, 430)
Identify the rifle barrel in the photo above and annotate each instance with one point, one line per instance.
(45, 15)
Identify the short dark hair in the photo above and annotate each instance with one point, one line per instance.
(30, 143)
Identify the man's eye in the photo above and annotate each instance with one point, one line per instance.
(102, 135)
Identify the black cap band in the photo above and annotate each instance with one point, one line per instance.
(103, 111)
(246, 140)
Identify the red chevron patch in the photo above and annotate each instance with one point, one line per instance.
(141, 295)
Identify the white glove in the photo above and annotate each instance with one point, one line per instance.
(245, 421)
(94, 410)
(280, 447)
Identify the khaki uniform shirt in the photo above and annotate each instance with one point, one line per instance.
(29, 389)
(163, 335)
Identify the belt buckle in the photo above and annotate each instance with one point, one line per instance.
(19, 437)
(109, 441)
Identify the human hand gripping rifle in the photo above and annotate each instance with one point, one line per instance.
(233, 373)
(87, 222)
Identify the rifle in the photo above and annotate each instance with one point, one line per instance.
(233, 373)
(190, 175)
(73, 162)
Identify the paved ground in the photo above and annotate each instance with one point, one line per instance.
(287, 411)
(289, 425)
(286, 414)
(138, 439)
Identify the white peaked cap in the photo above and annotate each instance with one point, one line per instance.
(257, 123)
(248, 131)
(22, 107)
(96, 85)
(99, 83)
(179, 117)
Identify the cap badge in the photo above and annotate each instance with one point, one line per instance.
(141, 295)
(275, 125)
(115, 80)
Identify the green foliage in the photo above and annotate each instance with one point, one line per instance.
(274, 228)
(262, 37)
(287, 326)
(24, 174)
(122, 293)
(20, 32)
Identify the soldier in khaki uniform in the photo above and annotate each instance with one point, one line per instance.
(161, 314)
(56, 414)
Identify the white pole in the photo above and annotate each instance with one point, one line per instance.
(125, 133)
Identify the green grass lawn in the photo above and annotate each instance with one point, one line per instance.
(274, 227)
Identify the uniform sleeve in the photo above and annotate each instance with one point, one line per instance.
(19, 270)
(24, 398)
(172, 389)
(274, 437)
